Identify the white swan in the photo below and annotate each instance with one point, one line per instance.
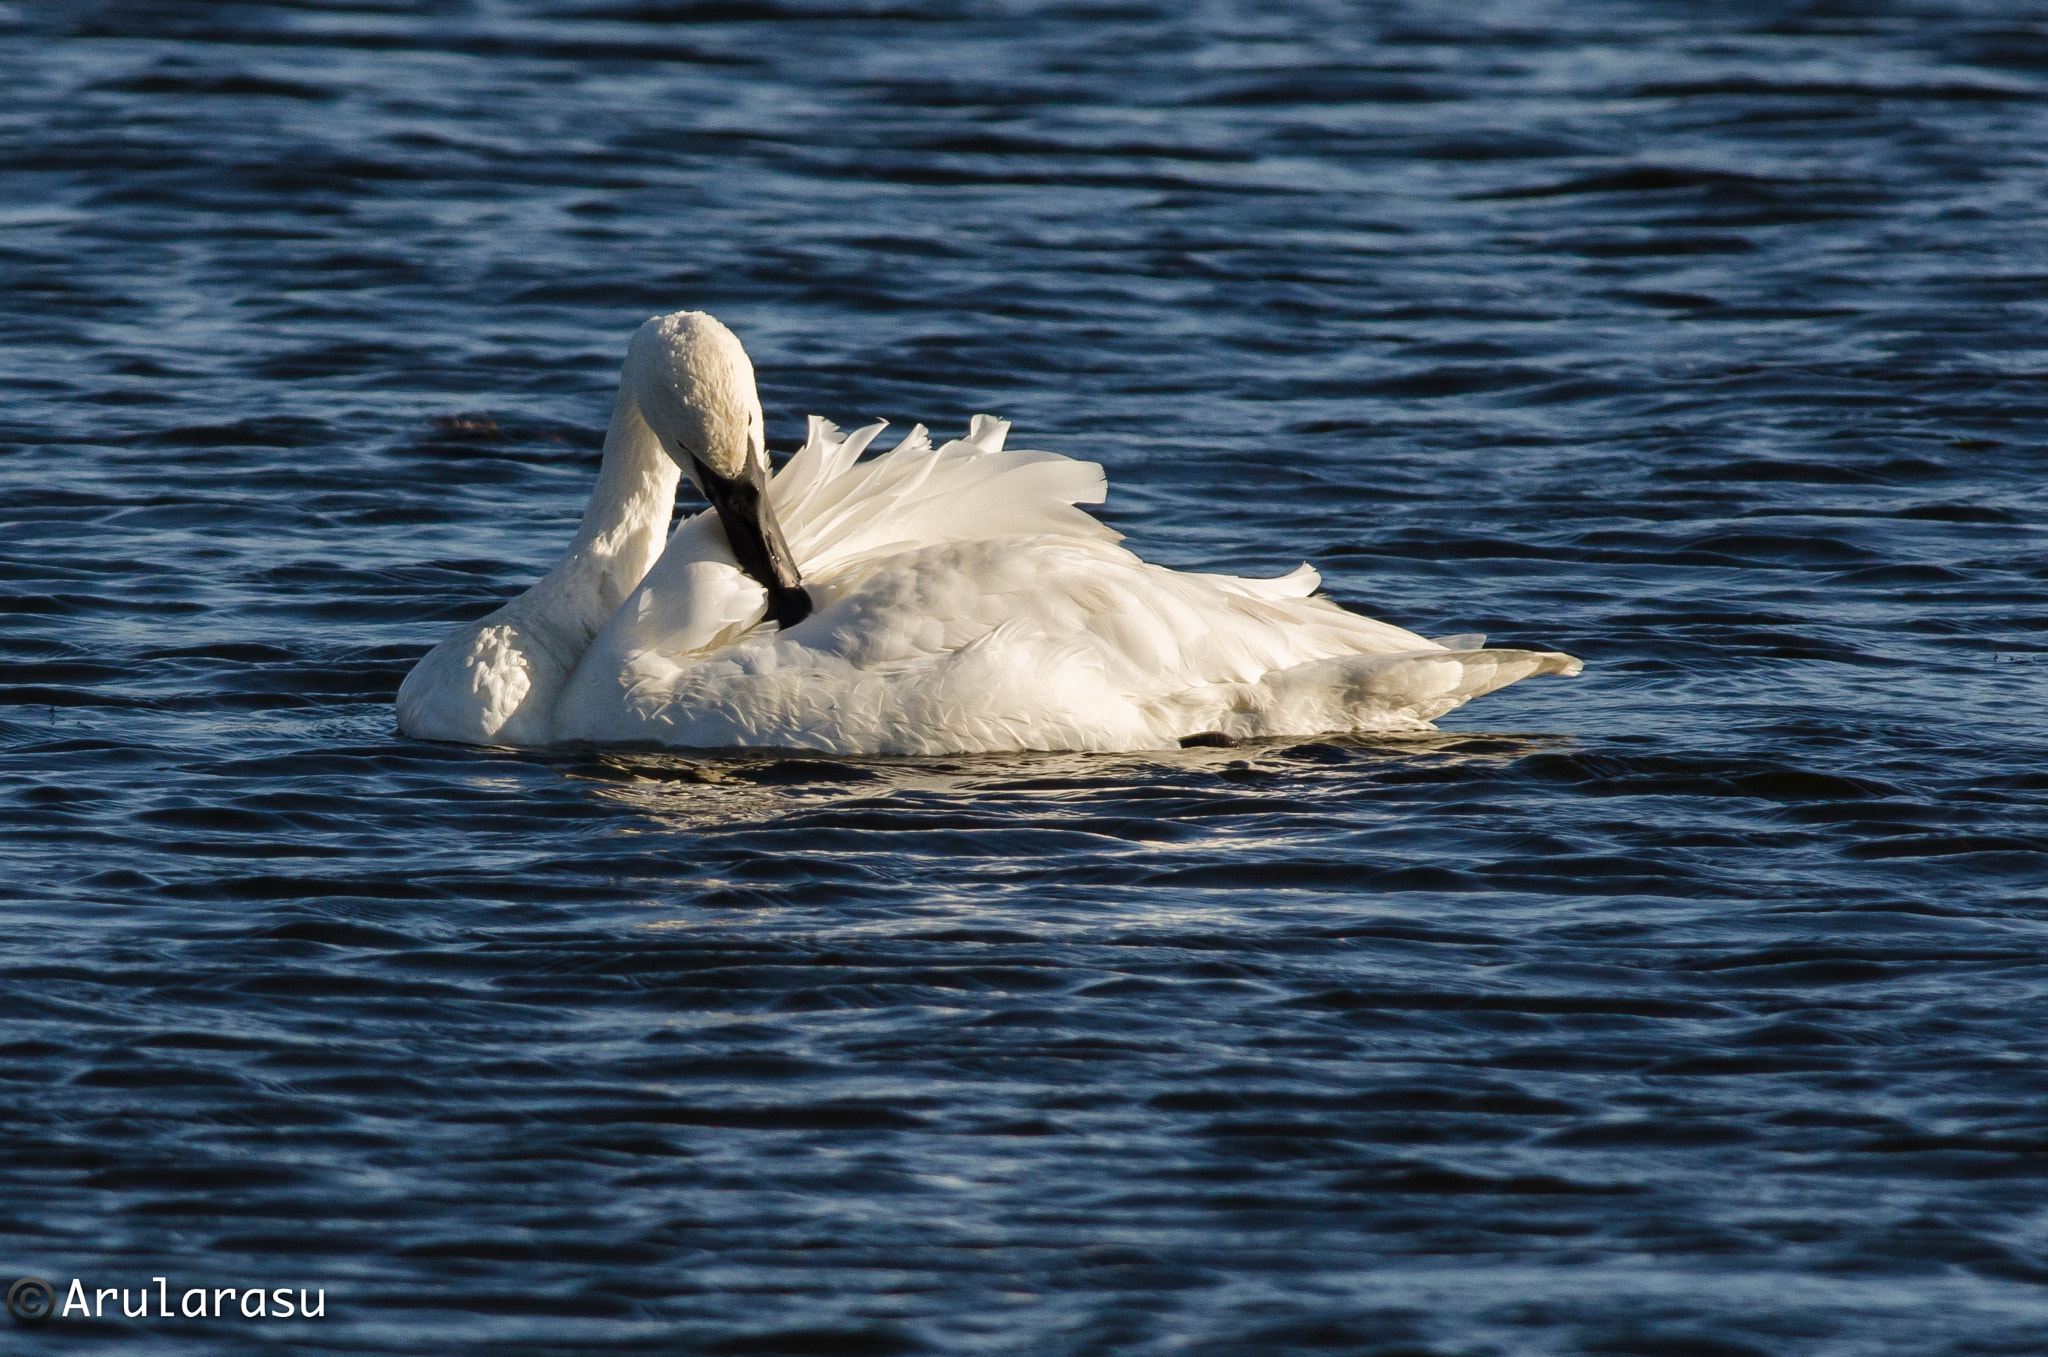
(927, 601)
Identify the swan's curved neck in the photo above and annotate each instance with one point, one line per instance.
(623, 531)
(636, 485)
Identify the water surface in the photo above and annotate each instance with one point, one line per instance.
(1690, 1008)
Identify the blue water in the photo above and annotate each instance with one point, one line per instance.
(1691, 1008)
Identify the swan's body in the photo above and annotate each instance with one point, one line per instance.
(952, 600)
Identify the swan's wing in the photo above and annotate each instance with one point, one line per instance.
(1257, 658)
(1182, 629)
(825, 455)
(835, 511)
(1264, 664)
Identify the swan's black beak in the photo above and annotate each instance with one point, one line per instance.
(756, 538)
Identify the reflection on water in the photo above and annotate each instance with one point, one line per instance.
(712, 788)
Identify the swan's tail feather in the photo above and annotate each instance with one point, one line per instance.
(1370, 693)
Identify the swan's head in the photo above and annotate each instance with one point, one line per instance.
(695, 388)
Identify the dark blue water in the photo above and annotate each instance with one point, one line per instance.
(1692, 1008)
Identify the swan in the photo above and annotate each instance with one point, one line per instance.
(931, 600)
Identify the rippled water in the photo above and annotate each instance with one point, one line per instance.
(1692, 1008)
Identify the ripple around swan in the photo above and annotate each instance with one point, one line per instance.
(1687, 1007)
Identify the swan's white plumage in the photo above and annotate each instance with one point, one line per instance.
(963, 603)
